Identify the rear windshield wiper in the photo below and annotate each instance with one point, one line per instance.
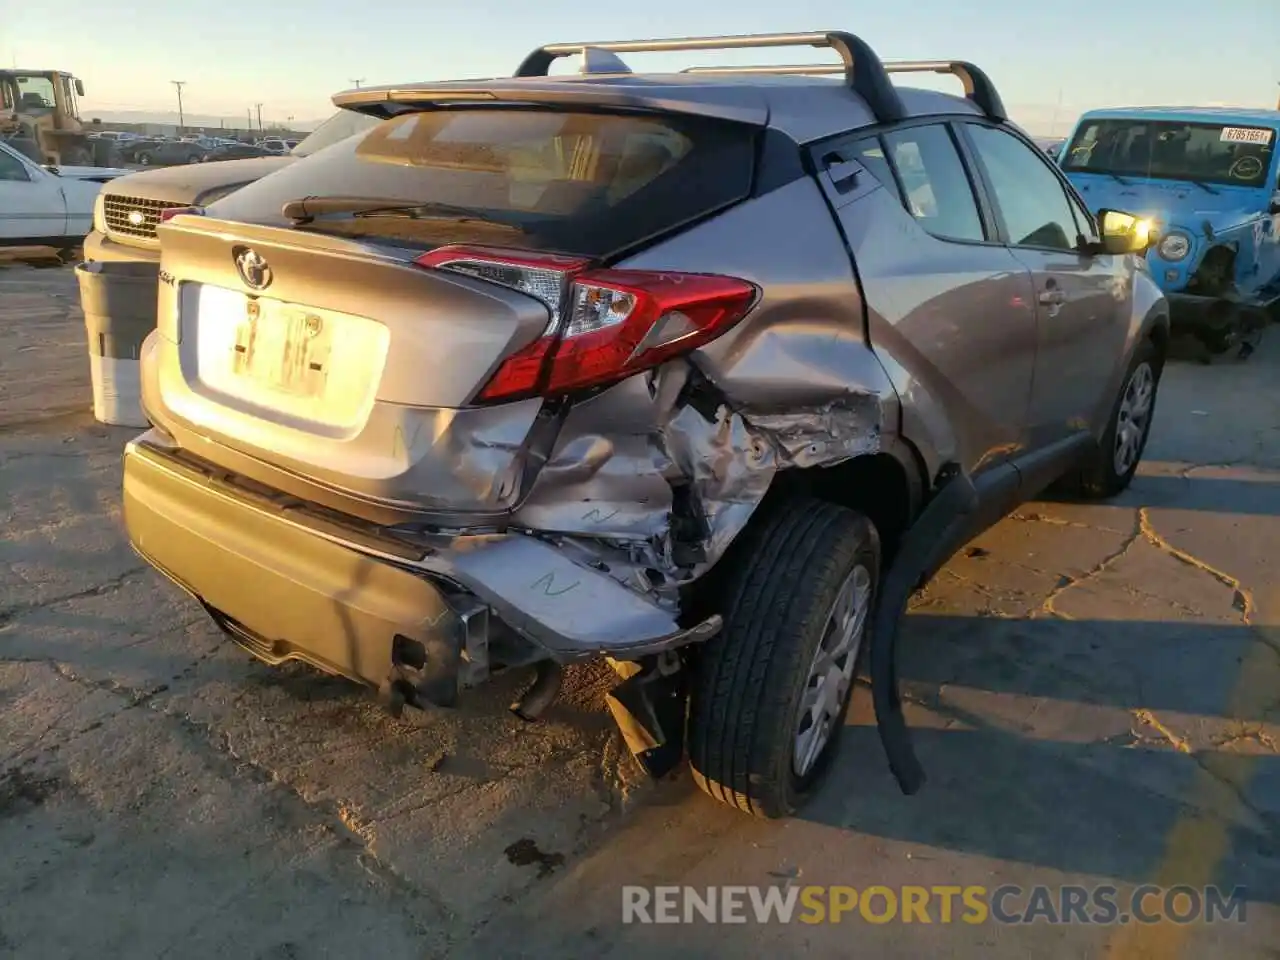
(307, 209)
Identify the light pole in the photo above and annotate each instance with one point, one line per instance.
(258, 107)
(179, 84)
(1057, 108)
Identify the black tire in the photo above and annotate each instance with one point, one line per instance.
(1100, 479)
(145, 159)
(106, 154)
(748, 681)
(76, 156)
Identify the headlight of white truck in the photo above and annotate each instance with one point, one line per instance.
(1174, 246)
(100, 212)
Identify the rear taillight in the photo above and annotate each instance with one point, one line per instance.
(605, 324)
(168, 213)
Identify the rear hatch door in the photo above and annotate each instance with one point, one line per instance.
(300, 329)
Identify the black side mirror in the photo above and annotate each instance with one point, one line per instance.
(1122, 233)
(1274, 208)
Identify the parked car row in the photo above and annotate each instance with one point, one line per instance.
(170, 151)
(685, 371)
(128, 215)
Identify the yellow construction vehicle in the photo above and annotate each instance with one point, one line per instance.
(40, 116)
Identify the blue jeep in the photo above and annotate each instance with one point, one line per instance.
(1209, 180)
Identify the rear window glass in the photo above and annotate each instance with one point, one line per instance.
(343, 124)
(587, 183)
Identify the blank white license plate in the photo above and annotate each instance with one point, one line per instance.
(283, 347)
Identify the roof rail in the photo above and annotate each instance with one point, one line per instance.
(774, 69)
(977, 85)
(864, 73)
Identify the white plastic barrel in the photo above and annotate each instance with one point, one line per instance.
(117, 391)
(119, 304)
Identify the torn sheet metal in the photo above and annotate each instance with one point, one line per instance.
(611, 481)
(651, 481)
(824, 436)
(568, 608)
(729, 468)
(607, 474)
(601, 485)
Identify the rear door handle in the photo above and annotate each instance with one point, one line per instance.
(843, 173)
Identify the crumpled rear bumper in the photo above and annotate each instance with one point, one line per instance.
(292, 584)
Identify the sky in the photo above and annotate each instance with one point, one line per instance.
(1049, 60)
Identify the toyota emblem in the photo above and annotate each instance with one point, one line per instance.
(253, 269)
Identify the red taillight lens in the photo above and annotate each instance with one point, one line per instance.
(605, 324)
(168, 213)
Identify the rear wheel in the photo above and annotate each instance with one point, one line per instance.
(770, 691)
(105, 154)
(1111, 469)
(76, 156)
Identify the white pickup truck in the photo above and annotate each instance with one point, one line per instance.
(47, 207)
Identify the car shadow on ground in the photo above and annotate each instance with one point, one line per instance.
(1208, 494)
(1040, 748)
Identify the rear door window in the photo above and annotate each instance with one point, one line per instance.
(587, 183)
(936, 188)
(921, 166)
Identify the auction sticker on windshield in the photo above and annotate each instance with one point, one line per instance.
(1246, 135)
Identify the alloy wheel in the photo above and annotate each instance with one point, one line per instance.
(1133, 420)
(831, 672)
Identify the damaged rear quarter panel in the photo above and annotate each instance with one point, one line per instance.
(793, 385)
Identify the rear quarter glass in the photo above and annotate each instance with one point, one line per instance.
(592, 184)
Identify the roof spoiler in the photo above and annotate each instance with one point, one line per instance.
(863, 71)
(978, 87)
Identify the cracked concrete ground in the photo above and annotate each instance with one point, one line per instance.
(1094, 692)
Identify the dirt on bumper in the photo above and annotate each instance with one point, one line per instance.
(287, 586)
(284, 592)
